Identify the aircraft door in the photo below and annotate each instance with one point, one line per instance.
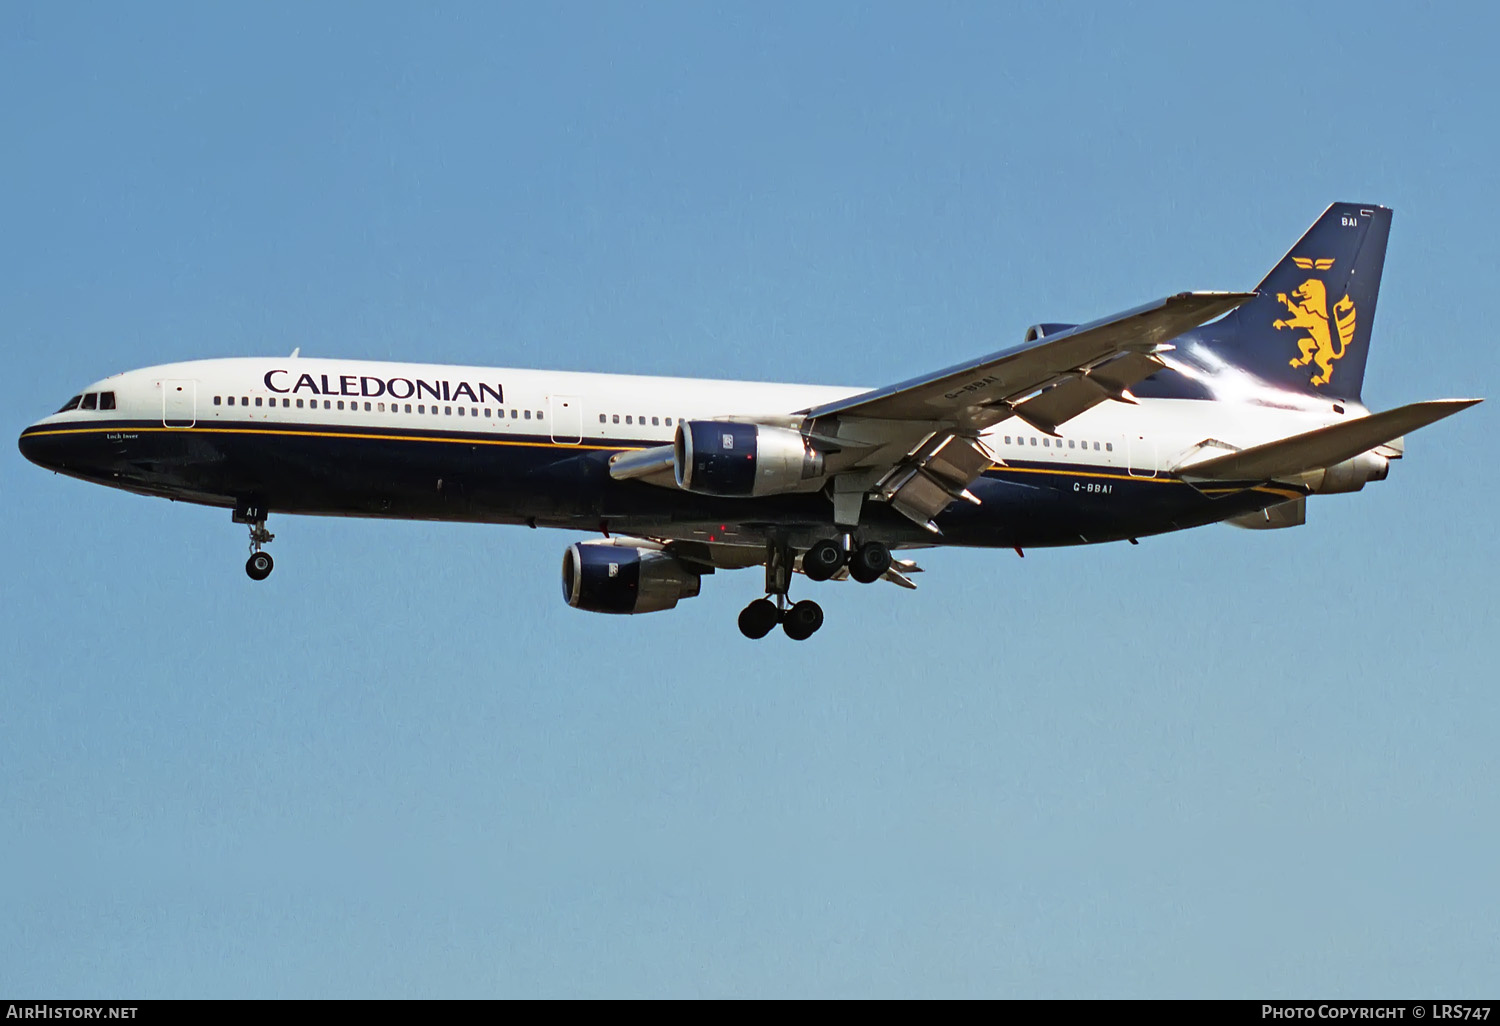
(566, 417)
(179, 403)
(1142, 455)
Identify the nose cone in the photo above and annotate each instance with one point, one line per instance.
(40, 448)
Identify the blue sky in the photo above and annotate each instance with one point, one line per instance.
(1220, 763)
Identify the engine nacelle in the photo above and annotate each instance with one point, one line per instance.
(714, 457)
(602, 577)
(1037, 331)
(1350, 475)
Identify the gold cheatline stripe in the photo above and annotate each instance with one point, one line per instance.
(574, 445)
(1084, 473)
(468, 440)
(1144, 480)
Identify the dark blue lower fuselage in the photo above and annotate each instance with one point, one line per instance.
(521, 479)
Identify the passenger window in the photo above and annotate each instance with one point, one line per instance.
(341, 404)
(299, 404)
(286, 404)
(244, 400)
(327, 404)
(627, 416)
(1007, 439)
(1033, 439)
(460, 411)
(486, 411)
(538, 414)
(231, 400)
(448, 411)
(106, 400)
(380, 407)
(218, 401)
(1046, 443)
(655, 421)
(616, 416)
(1096, 446)
(514, 415)
(669, 422)
(367, 407)
(474, 410)
(421, 409)
(1070, 443)
(1109, 446)
(602, 419)
(528, 414)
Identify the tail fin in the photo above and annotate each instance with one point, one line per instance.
(1308, 328)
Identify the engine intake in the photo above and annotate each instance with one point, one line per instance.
(602, 577)
(1037, 331)
(730, 458)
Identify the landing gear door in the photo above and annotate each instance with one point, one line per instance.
(566, 417)
(179, 403)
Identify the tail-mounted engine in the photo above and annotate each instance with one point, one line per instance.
(1037, 331)
(1350, 475)
(730, 458)
(602, 577)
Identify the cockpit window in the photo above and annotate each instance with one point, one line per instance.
(106, 400)
(71, 404)
(90, 401)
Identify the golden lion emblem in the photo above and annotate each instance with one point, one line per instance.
(1308, 305)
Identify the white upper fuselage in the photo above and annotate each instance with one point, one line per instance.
(1150, 437)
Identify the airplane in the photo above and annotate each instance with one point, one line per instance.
(1199, 408)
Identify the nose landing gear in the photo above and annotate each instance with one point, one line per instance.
(260, 564)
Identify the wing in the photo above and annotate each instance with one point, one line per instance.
(916, 445)
(930, 425)
(1048, 381)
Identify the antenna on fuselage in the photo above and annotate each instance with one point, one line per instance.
(295, 353)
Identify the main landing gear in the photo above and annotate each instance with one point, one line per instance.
(867, 563)
(800, 620)
(260, 564)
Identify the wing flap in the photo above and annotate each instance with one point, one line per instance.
(1073, 394)
(1323, 447)
(932, 478)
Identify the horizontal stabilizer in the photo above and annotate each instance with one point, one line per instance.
(1323, 447)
